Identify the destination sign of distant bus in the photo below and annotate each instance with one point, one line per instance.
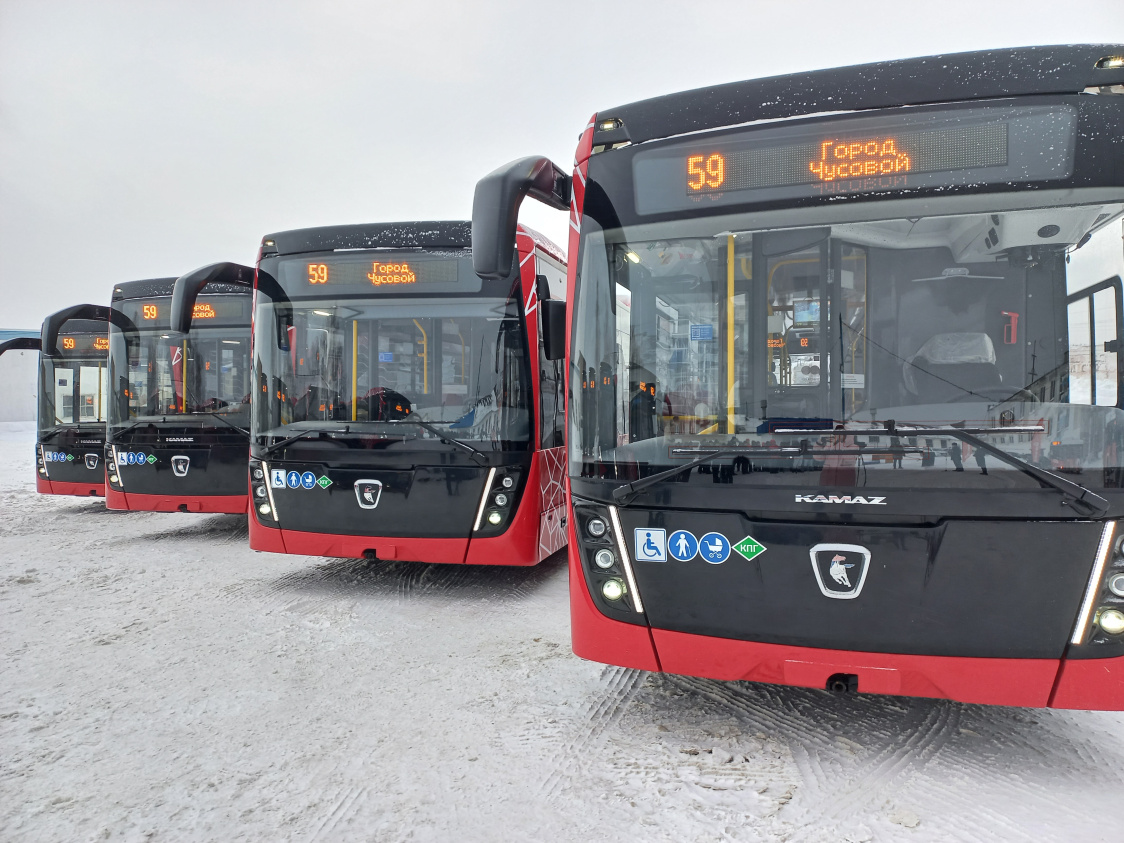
(79, 343)
(387, 272)
(213, 307)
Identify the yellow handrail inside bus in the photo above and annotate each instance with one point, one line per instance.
(425, 358)
(183, 379)
(730, 333)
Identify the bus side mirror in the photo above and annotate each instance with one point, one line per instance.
(49, 336)
(20, 344)
(495, 209)
(187, 288)
(552, 325)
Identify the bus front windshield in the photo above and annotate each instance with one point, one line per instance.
(704, 334)
(362, 362)
(160, 375)
(73, 389)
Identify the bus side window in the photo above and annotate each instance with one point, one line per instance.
(1094, 317)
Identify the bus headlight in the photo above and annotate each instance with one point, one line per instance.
(604, 559)
(596, 527)
(1111, 621)
(494, 518)
(501, 499)
(259, 492)
(614, 590)
(1116, 584)
(264, 509)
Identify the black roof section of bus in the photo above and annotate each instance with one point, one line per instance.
(441, 234)
(164, 287)
(987, 74)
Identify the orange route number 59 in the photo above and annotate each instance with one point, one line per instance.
(706, 171)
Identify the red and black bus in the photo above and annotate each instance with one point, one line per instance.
(844, 377)
(73, 397)
(403, 407)
(179, 407)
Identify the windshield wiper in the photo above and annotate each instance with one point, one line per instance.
(219, 416)
(625, 494)
(276, 446)
(478, 455)
(1085, 501)
(114, 435)
(59, 428)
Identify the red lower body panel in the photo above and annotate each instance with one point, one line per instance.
(219, 504)
(1090, 684)
(56, 487)
(351, 547)
(1017, 682)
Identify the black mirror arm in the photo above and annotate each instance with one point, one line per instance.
(495, 209)
(188, 286)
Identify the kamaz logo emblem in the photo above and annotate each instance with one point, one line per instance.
(846, 499)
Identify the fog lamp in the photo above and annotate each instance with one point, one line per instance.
(596, 527)
(1111, 621)
(501, 499)
(613, 589)
(264, 509)
(494, 518)
(1116, 584)
(604, 558)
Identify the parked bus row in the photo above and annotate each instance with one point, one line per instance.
(361, 392)
(841, 386)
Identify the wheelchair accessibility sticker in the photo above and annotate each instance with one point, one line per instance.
(651, 545)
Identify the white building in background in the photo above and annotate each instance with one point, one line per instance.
(18, 373)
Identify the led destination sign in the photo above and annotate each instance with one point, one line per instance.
(379, 273)
(840, 158)
(79, 344)
(358, 273)
(858, 155)
(157, 313)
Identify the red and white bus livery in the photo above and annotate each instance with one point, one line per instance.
(844, 377)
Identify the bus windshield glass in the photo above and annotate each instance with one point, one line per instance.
(74, 389)
(714, 333)
(158, 374)
(368, 339)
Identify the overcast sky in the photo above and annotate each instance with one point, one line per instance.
(144, 139)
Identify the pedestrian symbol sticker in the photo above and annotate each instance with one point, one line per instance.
(293, 479)
(308, 480)
(651, 545)
(750, 548)
(683, 546)
(277, 478)
(715, 548)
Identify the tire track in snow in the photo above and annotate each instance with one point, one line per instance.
(619, 687)
(344, 806)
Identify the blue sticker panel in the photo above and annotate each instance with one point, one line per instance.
(714, 548)
(683, 546)
(293, 479)
(651, 545)
(308, 480)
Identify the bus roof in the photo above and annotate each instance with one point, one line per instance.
(987, 74)
(440, 234)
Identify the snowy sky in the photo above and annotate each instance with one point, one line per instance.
(144, 139)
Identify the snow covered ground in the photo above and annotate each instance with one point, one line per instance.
(161, 681)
